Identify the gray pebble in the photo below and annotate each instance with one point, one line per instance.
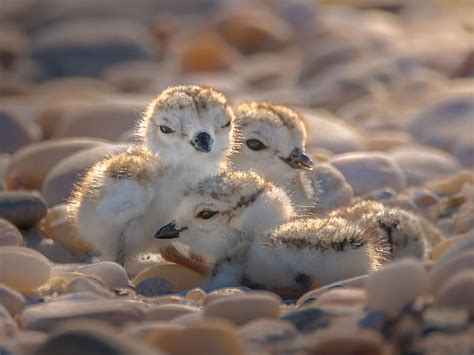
(111, 274)
(23, 209)
(13, 301)
(156, 286)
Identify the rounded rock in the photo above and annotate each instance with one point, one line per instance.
(208, 337)
(367, 172)
(16, 132)
(420, 164)
(343, 342)
(155, 286)
(458, 291)
(23, 209)
(30, 165)
(111, 274)
(222, 293)
(166, 312)
(443, 271)
(394, 286)
(262, 332)
(196, 295)
(23, 269)
(343, 296)
(13, 301)
(242, 309)
(60, 181)
(9, 234)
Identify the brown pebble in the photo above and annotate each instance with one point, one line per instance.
(458, 291)
(353, 343)
(9, 234)
(445, 270)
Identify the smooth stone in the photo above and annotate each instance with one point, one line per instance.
(84, 284)
(333, 190)
(167, 312)
(438, 343)
(374, 320)
(61, 180)
(144, 329)
(343, 296)
(440, 248)
(47, 316)
(91, 337)
(393, 287)
(334, 341)
(452, 184)
(193, 318)
(462, 245)
(243, 309)
(387, 140)
(16, 132)
(367, 171)
(60, 227)
(207, 52)
(9, 234)
(106, 119)
(23, 269)
(56, 252)
(446, 124)
(447, 320)
(26, 342)
(222, 293)
(208, 337)
(85, 47)
(197, 295)
(458, 291)
(308, 319)
(23, 209)
(421, 164)
(328, 132)
(156, 286)
(355, 282)
(8, 326)
(12, 300)
(30, 165)
(111, 274)
(167, 299)
(441, 272)
(263, 332)
(180, 277)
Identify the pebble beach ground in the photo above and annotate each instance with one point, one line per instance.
(386, 89)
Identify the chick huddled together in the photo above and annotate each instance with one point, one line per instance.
(231, 192)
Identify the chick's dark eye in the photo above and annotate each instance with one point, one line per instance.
(206, 214)
(226, 125)
(166, 129)
(255, 144)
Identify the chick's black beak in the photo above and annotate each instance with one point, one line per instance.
(298, 160)
(170, 231)
(202, 142)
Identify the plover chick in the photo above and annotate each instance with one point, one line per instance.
(273, 144)
(244, 224)
(187, 133)
(406, 233)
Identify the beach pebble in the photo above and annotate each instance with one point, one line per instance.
(60, 181)
(188, 319)
(105, 119)
(85, 284)
(154, 286)
(462, 245)
(23, 209)
(307, 319)
(144, 329)
(333, 189)
(263, 332)
(111, 274)
(196, 295)
(439, 343)
(328, 132)
(207, 52)
(444, 271)
(181, 278)
(23, 269)
(16, 132)
(342, 296)
(443, 124)
(394, 286)
(208, 337)
(242, 309)
(26, 342)
(12, 300)
(367, 172)
(86, 47)
(253, 31)
(31, 164)
(222, 293)
(458, 291)
(452, 184)
(167, 312)
(91, 337)
(49, 315)
(365, 342)
(441, 247)
(420, 164)
(9, 234)
(445, 319)
(8, 327)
